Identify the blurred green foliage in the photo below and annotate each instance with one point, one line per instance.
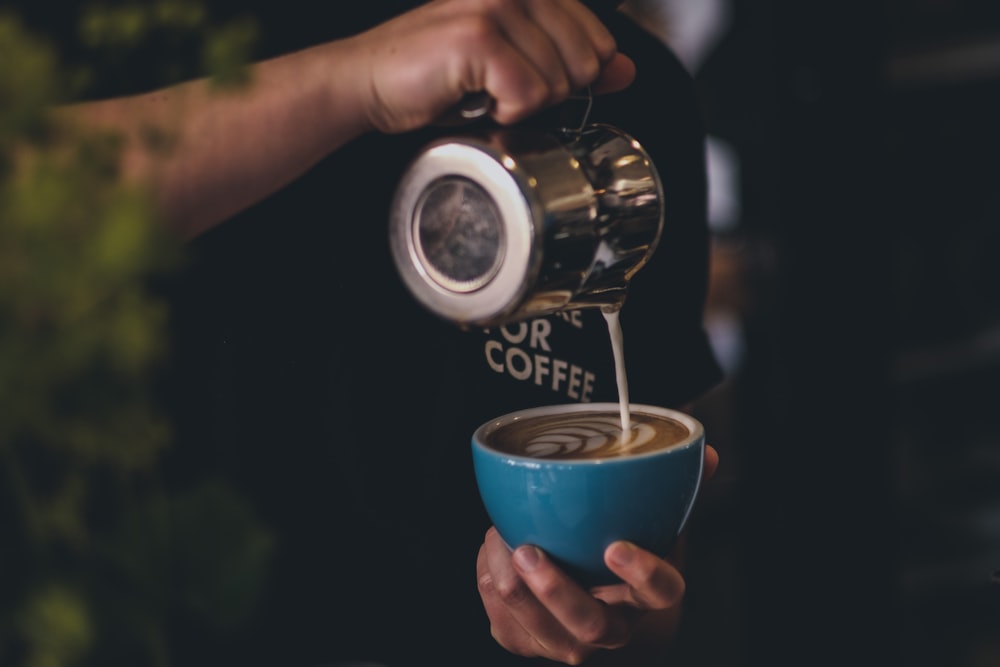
(95, 551)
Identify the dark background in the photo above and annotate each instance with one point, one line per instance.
(856, 516)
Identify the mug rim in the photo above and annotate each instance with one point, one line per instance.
(695, 437)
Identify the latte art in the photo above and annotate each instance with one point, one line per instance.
(586, 435)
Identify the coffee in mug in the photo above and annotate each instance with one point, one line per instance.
(587, 435)
(561, 477)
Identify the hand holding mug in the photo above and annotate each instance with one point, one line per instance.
(536, 610)
(525, 55)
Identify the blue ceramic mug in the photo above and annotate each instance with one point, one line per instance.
(574, 492)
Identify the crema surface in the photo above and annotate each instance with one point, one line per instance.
(586, 435)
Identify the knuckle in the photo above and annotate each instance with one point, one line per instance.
(676, 593)
(486, 586)
(595, 632)
(644, 575)
(512, 108)
(547, 589)
(513, 593)
(561, 90)
(586, 70)
(657, 589)
(605, 45)
(575, 656)
(535, 98)
(606, 48)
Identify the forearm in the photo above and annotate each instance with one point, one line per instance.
(227, 150)
(221, 150)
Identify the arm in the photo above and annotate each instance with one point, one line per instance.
(231, 149)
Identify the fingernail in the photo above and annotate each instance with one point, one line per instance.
(526, 557)
(621, 553)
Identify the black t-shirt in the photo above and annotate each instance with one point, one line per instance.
(306, 377)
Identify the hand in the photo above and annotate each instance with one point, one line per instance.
(536, 610)
(525, 54)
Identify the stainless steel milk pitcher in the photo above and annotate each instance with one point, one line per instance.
(505, 224)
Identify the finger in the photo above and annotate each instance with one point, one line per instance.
(564, 44)
(504, 628)
(652, 583)
(711, 462)
(586, 619)
(483, 57)
(581, 51)
(519, 603)
(522, 69)
(516, 85)
(602, 41)
(549, 41)
(588, 50)
(617, 70)
(616, 75)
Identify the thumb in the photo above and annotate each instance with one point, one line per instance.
(616, 75)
